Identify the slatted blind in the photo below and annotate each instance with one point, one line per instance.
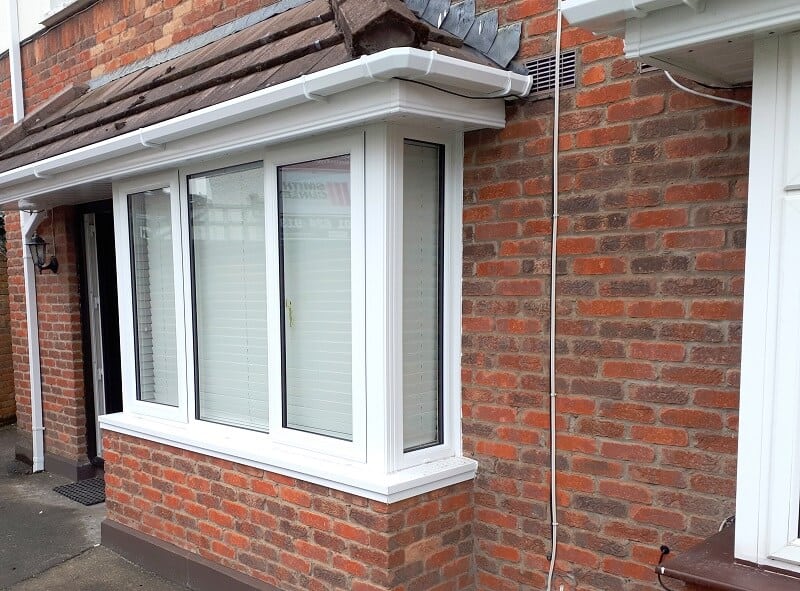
(154, 296)
(314, 206)
(422, 229)
(226, 211)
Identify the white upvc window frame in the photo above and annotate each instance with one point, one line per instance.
(129, 370)
(305, 151)
(373, 464)
(215, 430)
(451, 257)
(768, 484)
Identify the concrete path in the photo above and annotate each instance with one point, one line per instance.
(48, 541)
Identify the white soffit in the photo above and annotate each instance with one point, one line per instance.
(711, 43)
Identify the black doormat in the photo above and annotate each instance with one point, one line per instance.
(87, 492)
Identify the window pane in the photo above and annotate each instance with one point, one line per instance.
(154, 296)
(422, 295)
(229, 271)
(314, 210)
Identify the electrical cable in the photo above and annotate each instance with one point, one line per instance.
(553, 261)
(705, 95)
(664, 551)
(454, 93)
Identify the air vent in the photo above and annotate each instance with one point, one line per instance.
(543, 71)
(647, 68)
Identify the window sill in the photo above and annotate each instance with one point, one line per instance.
(711, 565)
(256, 450)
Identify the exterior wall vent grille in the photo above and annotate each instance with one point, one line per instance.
(647, 68)
(543, 71)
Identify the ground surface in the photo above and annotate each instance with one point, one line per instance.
(50, 542)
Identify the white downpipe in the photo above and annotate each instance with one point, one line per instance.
(17, 94)
(29, 223)
(553, 261)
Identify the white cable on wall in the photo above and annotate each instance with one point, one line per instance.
(703, 94)
(553, 260)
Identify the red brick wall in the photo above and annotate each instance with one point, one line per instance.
(7, 405)
(60, 338)
(19, 333)
(651, 260)
(6, 114)
(295, 535)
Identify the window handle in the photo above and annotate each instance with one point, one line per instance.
(290, 313)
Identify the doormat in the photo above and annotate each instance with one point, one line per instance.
(87, 492)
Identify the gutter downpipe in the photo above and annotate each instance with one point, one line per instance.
(15, 62)
(29, 223)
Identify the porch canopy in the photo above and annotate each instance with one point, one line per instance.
(291, 53)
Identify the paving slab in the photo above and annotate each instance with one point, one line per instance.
(48, 541)
(97, 569)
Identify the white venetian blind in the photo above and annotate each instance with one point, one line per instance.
(314, 204)
(229, 281)
(154, 296)
(421, 295)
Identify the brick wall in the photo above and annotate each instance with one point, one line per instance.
(6, 113)
(7, 405)
(651, 260)
(292, 534)
(19, 332)
(60, 338)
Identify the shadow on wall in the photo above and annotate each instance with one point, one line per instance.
(7, 404)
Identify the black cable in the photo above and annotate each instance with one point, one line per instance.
(467, 96)
(664, 551)
(712, 87)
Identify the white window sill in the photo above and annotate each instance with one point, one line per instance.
(257, 450)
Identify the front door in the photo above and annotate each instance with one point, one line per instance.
(101, 320)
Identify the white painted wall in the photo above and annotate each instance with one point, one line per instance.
(31, 12)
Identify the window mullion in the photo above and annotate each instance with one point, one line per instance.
(182, 309)
(274, 319)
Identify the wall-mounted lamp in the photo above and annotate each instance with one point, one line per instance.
(38, 248)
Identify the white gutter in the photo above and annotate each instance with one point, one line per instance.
(408, 63)
(605, 16)
(15, 63)
(29, 223)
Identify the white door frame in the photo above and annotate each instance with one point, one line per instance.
(95, 325)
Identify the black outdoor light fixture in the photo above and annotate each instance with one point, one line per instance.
(38, 249)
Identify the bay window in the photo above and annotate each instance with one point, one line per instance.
(298, 309)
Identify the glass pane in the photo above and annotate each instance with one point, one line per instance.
(229, 273)
(154, 296)
(422, 295)
(314, 210)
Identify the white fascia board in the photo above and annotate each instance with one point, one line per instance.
(609, 16)
(680, 27)
(408, 63)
